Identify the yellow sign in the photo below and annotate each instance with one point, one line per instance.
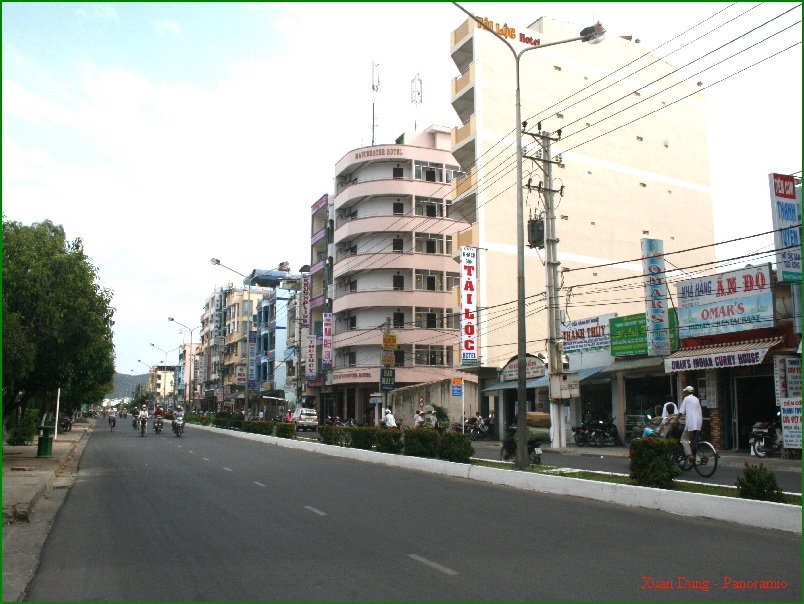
(389, 340)
(457, 381)
(388, 359)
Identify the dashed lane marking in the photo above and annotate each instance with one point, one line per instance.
(315, 511)
(259, 484)
(227, 469)
(431, 564)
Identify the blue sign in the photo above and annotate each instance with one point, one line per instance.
(457, 389)
(387, 378)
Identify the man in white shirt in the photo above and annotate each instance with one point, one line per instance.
(691, 408)
(390, 422)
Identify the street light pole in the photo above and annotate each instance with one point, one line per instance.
(191, 394)
(588, 34)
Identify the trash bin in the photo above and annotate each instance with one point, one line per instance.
(45, 445)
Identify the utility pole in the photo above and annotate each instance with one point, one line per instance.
(375, 87)
(555, 344)
(388, 346)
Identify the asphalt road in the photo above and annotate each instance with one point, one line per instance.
(209, 517)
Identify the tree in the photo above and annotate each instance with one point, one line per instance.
(57, 321)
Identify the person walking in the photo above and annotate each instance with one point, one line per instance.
(691, 409)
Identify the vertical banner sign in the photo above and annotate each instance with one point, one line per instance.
(310, 356)
(326, 340)
(469, 325)
(656, 316)
(793, 371)
(786, 213)
(305, 300)
(252, 360)
(791, 423)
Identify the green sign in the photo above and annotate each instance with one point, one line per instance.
(629, 334)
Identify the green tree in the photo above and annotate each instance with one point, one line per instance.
(57, 321)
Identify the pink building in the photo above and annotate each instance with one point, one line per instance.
(392, 248)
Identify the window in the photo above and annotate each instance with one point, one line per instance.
(452, 319)
(453, 280)
(429, 171)
(428, 318)
(398, 173)
(428, 243)
(450, 172)
(399, 358)
(398, 245)
(429, 207)
(399, 320)
(351, 359)
(399, 208)
(353, 286)
(352, 321)
(399, 282)
(429, 355)
(429, 280)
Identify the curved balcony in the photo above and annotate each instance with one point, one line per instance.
(355, 159)
(399, 224)
(392, 299)
(404, 336)
(394, 261)
(389, 187)
(403, 375)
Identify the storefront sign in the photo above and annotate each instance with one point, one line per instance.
(586, 335)
(628, 334)
(534, 368)
(793, 372)
(657, 321)
(725, 303)
(505, 31)
(780, 378)
(252, 360)
(786, 214)
(791, 423)
(380, 152)
(240, 375)
(326, 339)
(715, 361)
(468, 287)
(363, 376)
(310, 356)
(387, 378)
(457, 386)
(307, 286)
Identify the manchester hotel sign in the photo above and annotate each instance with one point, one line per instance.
(380, 152)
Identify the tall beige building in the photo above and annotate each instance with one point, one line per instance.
(620, 180)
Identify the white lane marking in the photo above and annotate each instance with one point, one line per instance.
(189, 451)
(205, 458)
(259, 484)
(438, 567)
(315, 511)
(227, 469)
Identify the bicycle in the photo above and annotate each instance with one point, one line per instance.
(704, 458)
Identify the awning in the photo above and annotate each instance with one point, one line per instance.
(642, 364)
(540, 382)
(720, 356)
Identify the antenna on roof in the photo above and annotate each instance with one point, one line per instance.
(416, 95)
(375, 86)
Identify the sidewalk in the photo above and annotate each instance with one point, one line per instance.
(490, 449)
(27, 477)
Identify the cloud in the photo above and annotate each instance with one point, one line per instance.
(98, 11)
(168, 28)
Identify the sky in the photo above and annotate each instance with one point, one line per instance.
(165, 134)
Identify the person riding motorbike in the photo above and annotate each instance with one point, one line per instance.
(390, 422)
(159, 414)
(177, 414)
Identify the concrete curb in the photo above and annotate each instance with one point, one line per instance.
(761, 514)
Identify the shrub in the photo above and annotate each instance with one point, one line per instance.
(757, 482)
(23, 428)
(326, 434)
(454, 446)
(364, 437)
(652, 462)
(421, 442)
(389, 441)
(285, 430)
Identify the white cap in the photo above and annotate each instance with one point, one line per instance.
(689, 389)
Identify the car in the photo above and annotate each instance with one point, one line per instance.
(305, 419)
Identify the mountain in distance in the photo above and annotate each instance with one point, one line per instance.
(124, 384)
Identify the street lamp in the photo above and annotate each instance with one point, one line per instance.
(217, 262)
(593, 34)
(192, 355)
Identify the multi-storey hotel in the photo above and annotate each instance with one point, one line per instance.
(620, 179)
(392, 229)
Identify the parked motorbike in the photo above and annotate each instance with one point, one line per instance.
(583, 433)
(158, 425)
(143, 425)
(508, 449)
(65, 424)
(604, 432)
(766, 437)
(178, 426)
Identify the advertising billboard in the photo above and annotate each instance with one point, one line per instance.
(786, 214)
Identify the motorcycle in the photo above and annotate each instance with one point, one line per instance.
(65, 424)
(143, 424)
(178, 426)
(158, 424)
(583, 433)
(604, 432)
(508, 449)
(766, 437)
